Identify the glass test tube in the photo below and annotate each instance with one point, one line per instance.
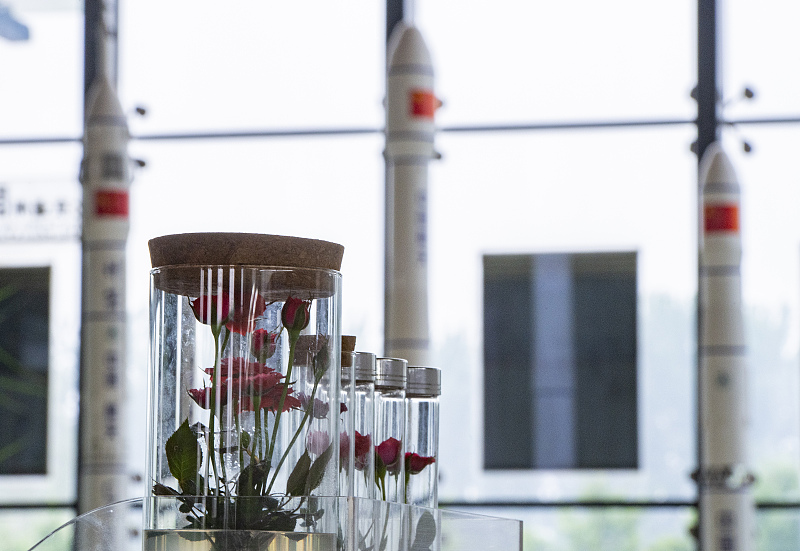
(357, 443)
(423, 387)
(390, 412)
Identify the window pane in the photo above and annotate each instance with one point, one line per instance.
(758, 42)
(39, 234)
(204, 66)
(620, 529)
(576, 192)
(42, 76)
(21, 529)
(778, 529)
(555, 61)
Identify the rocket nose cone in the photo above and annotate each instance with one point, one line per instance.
(716, 167)
(103, 104)
(394, 38)
(410, 47)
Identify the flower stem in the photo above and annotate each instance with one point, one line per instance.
(296, 435)
(213, 408)
(293, 336)
(239, 438)
(258, 437)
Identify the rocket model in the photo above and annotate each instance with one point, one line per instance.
(410, 106)
(726, 502)
(105, 175)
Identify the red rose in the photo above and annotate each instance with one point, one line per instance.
(389, 452)
(211, 309)
(415, 463)
(363, 445)
(239, 367)
(245, 311)
(270, 399)
(262, 383)
(202, 396)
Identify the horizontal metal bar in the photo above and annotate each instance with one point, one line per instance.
(49, 506)
(561, 125)
(565, 125)
(259, 134)
(675, 504)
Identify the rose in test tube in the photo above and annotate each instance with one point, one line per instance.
(390, 414)
(423, 388)
(356, 441)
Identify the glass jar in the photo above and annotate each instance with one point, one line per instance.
(244, 382)
(423, 387)
(390, 431)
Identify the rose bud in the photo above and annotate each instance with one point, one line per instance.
(263, 344)
(296, 314)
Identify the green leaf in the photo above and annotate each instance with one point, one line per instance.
(251, 477)
(184, 455)
(317, 470)
(161, 490)
(194, 486)
(296, 484)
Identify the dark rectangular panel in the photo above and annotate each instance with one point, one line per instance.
(560, 361)
(507, 361)
(24, 337)
(605, 326)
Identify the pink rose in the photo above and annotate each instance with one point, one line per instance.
(317, 441)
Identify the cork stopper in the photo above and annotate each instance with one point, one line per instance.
(176, 260)
(307, 347)
(348, 346)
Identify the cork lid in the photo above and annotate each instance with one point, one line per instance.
(176, 258)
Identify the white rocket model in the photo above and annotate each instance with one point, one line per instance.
(105, 175)
(410, 107)
(726, 502)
